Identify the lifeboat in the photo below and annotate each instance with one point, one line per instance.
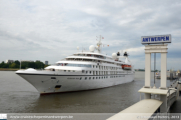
(126, 67)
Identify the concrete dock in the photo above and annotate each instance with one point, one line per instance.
(144, 107)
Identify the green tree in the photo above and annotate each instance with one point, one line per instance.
(24, 65)
(17, 62)
(2, 64)
(5, 66)
(46, 66)
(13, 65)
(39, 65)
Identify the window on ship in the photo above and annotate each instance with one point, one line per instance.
(78, 65)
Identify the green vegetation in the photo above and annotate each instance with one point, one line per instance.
(139, 69)
(24, 65)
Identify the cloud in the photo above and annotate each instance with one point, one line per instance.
(51, 30)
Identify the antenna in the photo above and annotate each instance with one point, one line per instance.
(20, 64)
(99, 44)
(96, 38)
(77, 48)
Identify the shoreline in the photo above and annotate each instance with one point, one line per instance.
(9, 69)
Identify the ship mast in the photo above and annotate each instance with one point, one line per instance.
(99, 43)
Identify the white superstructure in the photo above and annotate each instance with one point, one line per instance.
(81, 71)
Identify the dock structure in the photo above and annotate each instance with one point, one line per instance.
(171, 75)
(156, 100)
(144, 107)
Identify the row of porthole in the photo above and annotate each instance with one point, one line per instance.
(116, 76)
(86, 78)
(106, 67)
(100, 71)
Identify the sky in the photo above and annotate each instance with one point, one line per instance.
(52, 29)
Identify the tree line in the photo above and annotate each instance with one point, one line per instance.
(24, 65)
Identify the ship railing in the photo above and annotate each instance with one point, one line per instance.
(94, 56)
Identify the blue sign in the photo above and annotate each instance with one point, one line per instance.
(156, 39)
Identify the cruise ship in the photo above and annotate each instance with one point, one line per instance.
(81, 71)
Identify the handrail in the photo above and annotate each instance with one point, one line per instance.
(168, 103)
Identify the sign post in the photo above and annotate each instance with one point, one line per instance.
(155, 44)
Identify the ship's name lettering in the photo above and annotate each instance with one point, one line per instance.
(72, 78)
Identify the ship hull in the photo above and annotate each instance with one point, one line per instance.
(67, 83)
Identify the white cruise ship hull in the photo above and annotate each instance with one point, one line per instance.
(53, 83)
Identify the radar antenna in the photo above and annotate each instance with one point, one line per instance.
(99, 44)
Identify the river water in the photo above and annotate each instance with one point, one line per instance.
(18, 96)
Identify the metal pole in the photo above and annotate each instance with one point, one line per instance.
(155, 61)
(154, 66)
(20, 65)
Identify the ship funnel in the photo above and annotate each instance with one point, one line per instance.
(125, 54)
